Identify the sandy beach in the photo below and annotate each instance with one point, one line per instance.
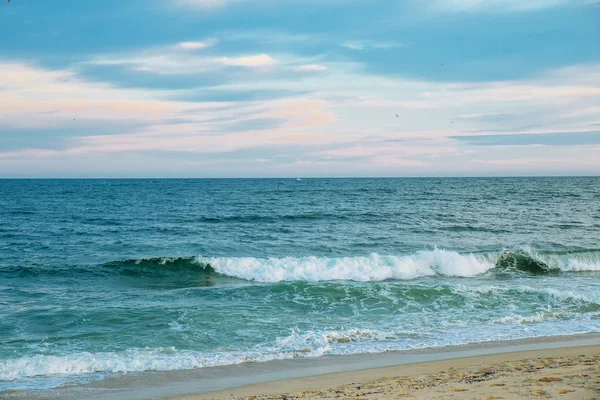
(569, 373)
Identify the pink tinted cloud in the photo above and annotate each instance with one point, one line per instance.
(255, 61)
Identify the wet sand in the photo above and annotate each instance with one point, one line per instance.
(569, 373)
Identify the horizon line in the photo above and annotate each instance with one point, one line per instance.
(308, 177)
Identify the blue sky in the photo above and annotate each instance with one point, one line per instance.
(262, 88)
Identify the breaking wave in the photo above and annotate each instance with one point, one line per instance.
(376, 267)
(362, 269)
(372, 268)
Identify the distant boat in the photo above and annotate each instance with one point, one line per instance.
(298, 180)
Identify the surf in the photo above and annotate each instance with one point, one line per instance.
(370, 268)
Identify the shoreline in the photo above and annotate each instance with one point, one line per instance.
(371, 367)
(547, 373)
(301, 374)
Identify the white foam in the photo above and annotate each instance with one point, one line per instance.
(541, 316)
(360, 269)
(581, 266)
(297, 344)
(162, 359)
(561, 295)
(317, 343)
(312, 343)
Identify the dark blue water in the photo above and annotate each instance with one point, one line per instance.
(100, 277)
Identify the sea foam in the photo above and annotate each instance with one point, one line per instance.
(375, 268)
(296, 344)
(361, 269)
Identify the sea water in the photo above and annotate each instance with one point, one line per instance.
(106, 277)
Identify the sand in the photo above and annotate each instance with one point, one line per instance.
(567, 373)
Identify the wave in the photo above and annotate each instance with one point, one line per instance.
(522, 261)
(160, 266)
(361, 269)
(135, 360)
(381, 268)
(560, 312)
(190, 271)
(297, 344)
(153, 267)
(541, 316)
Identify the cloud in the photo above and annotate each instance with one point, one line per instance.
(203, 3)
(541, 159)
(178, 58)
(344, 120)
(354, 45)
(255, 61)
(312, 68)
(498, 5)
(196, 45)
(546, 100)
(215, 4)
(36, 97)
(528, 139)
(160, 123)
(366, 44)
(181, 59)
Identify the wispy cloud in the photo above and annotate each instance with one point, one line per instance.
(203, 3)
(366, 44)
(347, 117)
(182, 58)
(316, 68)
(196, 45)
(498, 5)
(253, 61)
(34, 96)
(198, 126)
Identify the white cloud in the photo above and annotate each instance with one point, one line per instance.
(558, 101)
(196, 45)
(312, 68)
(345, 119)
(354, 45)
(56, 98)
(203, 3)
(366, 44)
(215, 4)
(254, 61)
(181, 59)
(36, 97)
(497, 5)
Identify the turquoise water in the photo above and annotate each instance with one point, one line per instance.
(104, 277)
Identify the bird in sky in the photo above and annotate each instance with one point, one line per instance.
(397, 116)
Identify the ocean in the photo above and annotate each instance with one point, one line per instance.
(100, 278)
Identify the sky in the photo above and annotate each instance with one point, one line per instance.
(299, 88)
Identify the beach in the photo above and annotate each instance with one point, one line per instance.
(566, 372)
